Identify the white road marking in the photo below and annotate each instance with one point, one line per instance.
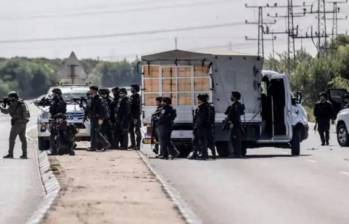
(344, 173)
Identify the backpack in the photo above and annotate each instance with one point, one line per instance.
(26, 110)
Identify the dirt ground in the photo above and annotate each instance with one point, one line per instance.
(109, 187)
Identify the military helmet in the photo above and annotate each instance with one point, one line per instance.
(115, 89)
(236, 95)
(135, 87)
(123, 90)
(57, 91)
(95, 88)
(13, 94)
(324, 94)
(203, 97)
(104, 91)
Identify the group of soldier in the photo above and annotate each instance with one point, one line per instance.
(203, 127)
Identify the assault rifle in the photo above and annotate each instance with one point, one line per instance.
(5, 102)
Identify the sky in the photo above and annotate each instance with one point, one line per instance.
(118, 29)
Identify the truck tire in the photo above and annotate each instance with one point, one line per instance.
(43, 144)
(296, 142)
(222, 149)
(342, 135)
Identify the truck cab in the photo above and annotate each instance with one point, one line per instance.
(272, 115)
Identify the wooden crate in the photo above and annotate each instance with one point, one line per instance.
(201, 71)
(151, 85)
(149, 99)
(201, 84)
(151, 71)
(184, 71)
(184, 85)
(169, 85)
(169, 71)
(185, 99)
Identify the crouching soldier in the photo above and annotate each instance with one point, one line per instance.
(66, 135)
(201, 128)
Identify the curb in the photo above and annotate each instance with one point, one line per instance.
(51, 188)
(183, 208)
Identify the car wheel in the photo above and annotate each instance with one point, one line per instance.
(296, 142)
(43, 144)
(342, 135)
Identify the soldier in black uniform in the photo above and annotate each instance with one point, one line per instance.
(211, 134)
(324, 112)
(115, 125)
(107, 129)
(164, 128)
(234, 113)
(57, 106)
(135, 123)
(19, 113)
(154, 119)
(201, 128)
(98, 116)
(66, 135)
(122, 117)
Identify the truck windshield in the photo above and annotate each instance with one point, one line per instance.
(182, 83)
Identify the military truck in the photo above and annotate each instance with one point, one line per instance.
(273, 117)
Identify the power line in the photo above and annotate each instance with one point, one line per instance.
(135, 33)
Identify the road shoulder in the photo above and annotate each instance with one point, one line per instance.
(109, 187)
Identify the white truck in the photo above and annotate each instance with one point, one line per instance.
(273, 117)
(75, 115)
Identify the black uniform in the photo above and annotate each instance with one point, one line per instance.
(234, 113)
(201, 130)
(211, 134)
(66, 136)
(323, 113)
(135, 123)
(57, 106)
(154, 120)
(107, 126)
(115, 125)
(164, 130)
(98, 112)
(122, 120)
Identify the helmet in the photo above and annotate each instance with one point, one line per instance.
(123, 90)
(57, 91)
(135, 87)
(203, 97)
(13, 94)
(236, 95)
(104, 91)
(94, 88)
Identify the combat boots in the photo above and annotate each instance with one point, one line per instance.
(8, 156)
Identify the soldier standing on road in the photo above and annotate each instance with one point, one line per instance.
(135, 123)
(211, 134)
(324, 112)
(154, 120)
(107, 129)
(98, 116)
(57, 106)
(201, 128)
(122, 117)
(19, 118)
(234, 113)
(116, 127)
(164, 128)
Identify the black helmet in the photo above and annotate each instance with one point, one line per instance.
(13, 94)
(135, 87)
(236, 95)
(104, 91)
(203, 97)
(115, 89)
(324, 94)
(95, 88)
(167, 100)
(123, 90)
(57, 91)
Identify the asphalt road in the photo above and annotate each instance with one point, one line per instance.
(267, 187)
(20, 187)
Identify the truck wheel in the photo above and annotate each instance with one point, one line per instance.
(43, 144)
(222, 149)
(296, 142)
(342, 135)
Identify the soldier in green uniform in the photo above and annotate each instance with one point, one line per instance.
(19, 118)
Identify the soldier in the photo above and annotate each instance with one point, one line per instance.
(107, 129)
(122, 117)
(19, 118)
(135, 123)
(98, 116)
(57, 106)
(116, 126)
(234, 113)
(66, 135)
(154, 119)
(201, 128)
(324, 112)
(164, 128)
(346, 101)
(211, 134)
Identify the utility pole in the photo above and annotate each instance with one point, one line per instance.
(260, 28)
(335, 17)
(176, 43)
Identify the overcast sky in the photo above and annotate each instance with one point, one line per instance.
(115, 29)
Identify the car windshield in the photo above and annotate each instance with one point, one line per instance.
(71, 96)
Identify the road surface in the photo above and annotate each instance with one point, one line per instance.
(20, 187)
(267, 187)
